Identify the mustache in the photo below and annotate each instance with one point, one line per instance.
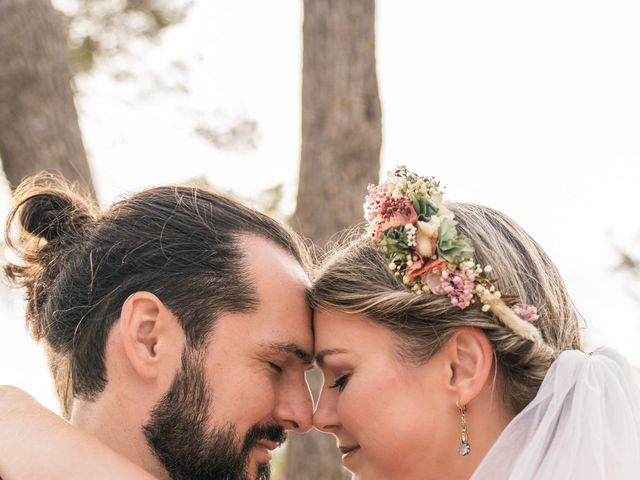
(272, 432)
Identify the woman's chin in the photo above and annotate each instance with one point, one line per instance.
(350, 459)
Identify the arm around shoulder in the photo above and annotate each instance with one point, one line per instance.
(37, 443)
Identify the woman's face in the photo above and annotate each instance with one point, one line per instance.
(391, 419)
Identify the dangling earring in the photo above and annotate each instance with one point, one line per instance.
(465, 448)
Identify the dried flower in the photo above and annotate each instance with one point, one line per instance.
(418, 236)
(458, 285)
(526, 312)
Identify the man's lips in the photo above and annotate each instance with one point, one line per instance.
(268, 444)
(265, 446)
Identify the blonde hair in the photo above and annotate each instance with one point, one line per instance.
(356, 279)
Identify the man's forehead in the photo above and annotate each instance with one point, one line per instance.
(271, 255)
(279, 280)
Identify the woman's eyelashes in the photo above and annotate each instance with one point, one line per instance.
(341, 382)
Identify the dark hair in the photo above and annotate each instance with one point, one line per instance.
(79, 266)
(356, 279)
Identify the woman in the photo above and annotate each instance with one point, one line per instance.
(451, 349)
(431, 372)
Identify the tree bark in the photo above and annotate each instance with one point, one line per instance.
(38, 121)
(341, 141)
(341, 117)
(39, 127)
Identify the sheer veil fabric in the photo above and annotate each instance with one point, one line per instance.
(584, 423)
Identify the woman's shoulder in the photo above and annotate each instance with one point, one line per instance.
(15, 399)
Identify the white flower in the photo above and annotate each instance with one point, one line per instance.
(468, 265)
(443, 211)
(410, 230)
(426, 237)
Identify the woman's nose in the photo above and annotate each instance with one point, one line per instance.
(325, 416)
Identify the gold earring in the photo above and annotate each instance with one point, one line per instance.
(465, 448)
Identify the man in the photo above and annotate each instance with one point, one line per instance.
(183, 317)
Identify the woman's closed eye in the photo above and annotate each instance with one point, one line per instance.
(340, 383)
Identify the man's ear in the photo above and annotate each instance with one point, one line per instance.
(469, 356)
(151, 335)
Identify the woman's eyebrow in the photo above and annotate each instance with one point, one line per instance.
(329, 351)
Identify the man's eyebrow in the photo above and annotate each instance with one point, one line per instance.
(293, 348)
(330, 351)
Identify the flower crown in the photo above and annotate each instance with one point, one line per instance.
(418, 235)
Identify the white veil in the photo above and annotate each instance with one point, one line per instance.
(584, 423)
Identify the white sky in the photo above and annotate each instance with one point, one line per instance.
(531, 108)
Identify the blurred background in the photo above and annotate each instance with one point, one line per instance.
(294, 107)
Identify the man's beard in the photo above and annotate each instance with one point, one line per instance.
(178, 435)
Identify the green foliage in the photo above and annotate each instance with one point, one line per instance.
(628, 263)
(242, 136)
(424, 207)
(452, 246)
(268, 200)
(103, 28)
(109, 32)
(629, 266)
(395, 243)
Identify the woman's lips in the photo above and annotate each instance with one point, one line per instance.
(348, 452)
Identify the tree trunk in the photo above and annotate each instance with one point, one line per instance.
(341, 140)
(38, 121)
(341, 118)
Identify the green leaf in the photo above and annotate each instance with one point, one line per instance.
(453, 246)
(424, 207)
(394, 242)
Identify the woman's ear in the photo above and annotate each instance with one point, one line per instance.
(469, 356)
(151, 335)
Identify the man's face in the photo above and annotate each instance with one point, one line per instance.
(231, 402)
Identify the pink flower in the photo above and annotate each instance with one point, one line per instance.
(386, 211)
(458, 285)
(526, 312)
(373, 201)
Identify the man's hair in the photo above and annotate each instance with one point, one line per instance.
(79, 266)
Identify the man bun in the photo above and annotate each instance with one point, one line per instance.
(47, 219)
(46, 207)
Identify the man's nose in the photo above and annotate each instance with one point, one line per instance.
(294, 408)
